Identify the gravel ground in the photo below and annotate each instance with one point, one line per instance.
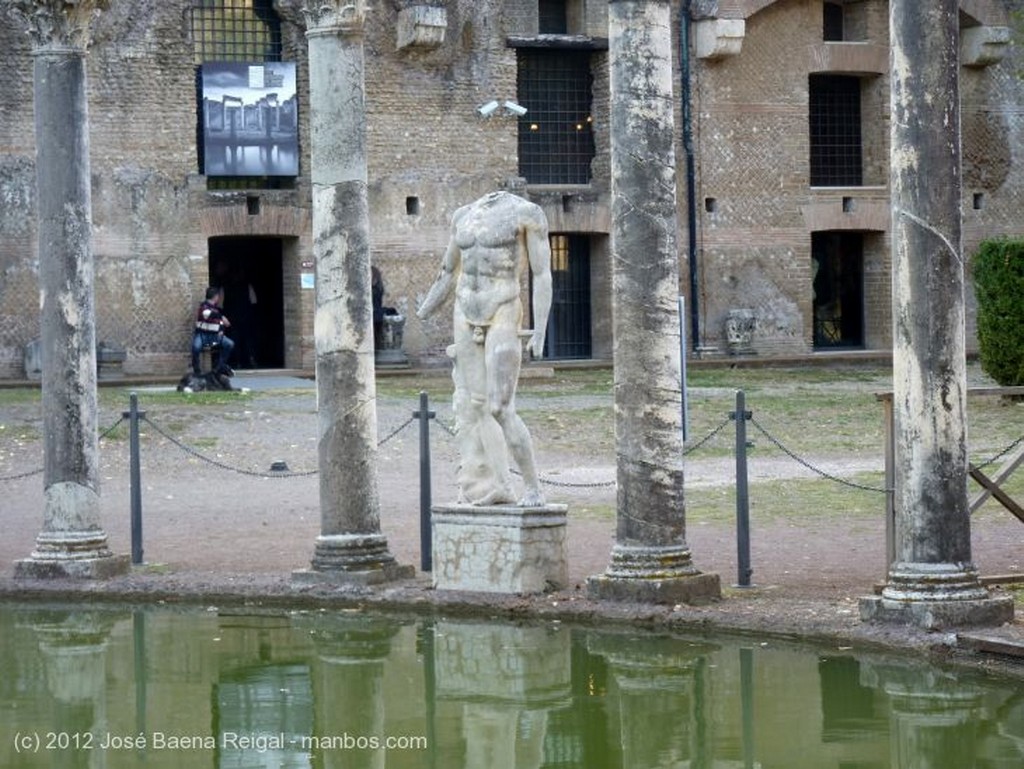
(217, 527)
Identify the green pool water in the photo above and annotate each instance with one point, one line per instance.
(160, 687)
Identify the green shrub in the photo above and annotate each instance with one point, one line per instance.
(998, 272)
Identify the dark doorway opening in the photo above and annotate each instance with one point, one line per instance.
(250, 271)
(569, 326)
(837, 264)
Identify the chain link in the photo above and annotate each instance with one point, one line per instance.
(217, 463)
(1001, 454)
(396, 431)
(28, 474)
(818, 471)
(715, 431)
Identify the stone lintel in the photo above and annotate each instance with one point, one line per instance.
(718, 38)
(101, 567)
(982, 46)
(849, 57)
(500, 548)
(421, 26)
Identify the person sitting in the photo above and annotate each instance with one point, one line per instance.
(209, 332)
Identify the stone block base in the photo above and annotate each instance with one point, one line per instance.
(500, 548)
(104, 567)
(935, 615)
(362, 578)
(694, 589)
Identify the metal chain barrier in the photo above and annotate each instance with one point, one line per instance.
(28, 474)
(818, 471)
(715, 431)
(222, 465)
(1001, 454)
(396, 431)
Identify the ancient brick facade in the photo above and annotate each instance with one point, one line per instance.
(156, 221)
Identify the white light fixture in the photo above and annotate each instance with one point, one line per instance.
(511, 108)
(487, 109)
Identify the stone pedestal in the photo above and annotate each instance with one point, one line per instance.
(500, 548)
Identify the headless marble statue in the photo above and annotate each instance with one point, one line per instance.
(491, 241)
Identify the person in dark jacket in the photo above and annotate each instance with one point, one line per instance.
(209, 330)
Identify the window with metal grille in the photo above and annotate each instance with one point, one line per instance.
(556, 141)
(233, 30)
(835, 131)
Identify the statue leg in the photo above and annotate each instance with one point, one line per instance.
(484, 477)
(504, 358)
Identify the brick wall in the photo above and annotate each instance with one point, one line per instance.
(429, 153)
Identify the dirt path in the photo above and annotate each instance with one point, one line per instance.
(201, 519)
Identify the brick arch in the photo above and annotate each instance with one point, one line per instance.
(275, 221)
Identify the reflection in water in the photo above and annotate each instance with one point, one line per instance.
(344, 689)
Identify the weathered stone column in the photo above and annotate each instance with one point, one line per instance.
(932, 581)
(651, 560)
(72, 542)
(350, 546)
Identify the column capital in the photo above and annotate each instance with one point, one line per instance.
(56, 24)
(334, 17)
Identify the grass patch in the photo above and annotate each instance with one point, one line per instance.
(792, 500)
(19, 396)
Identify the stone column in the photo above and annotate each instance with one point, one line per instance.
(932, 581)
(72, 542)
(651, 560)
(350, 546)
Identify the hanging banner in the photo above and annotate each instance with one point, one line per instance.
(250, 119)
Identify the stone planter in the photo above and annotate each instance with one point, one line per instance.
(739, 331)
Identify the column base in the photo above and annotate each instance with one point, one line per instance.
(100, 567)
(500, 548)
(662, 575)
(358, 559)
(934, 596)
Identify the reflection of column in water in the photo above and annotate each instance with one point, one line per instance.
(661, 707)
(933, 716)
(74, 647)
(348, 690)
(507, 678)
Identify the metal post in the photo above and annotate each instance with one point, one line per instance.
(133, 415)
(682, 367)
(741, 415)
(424, 414)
